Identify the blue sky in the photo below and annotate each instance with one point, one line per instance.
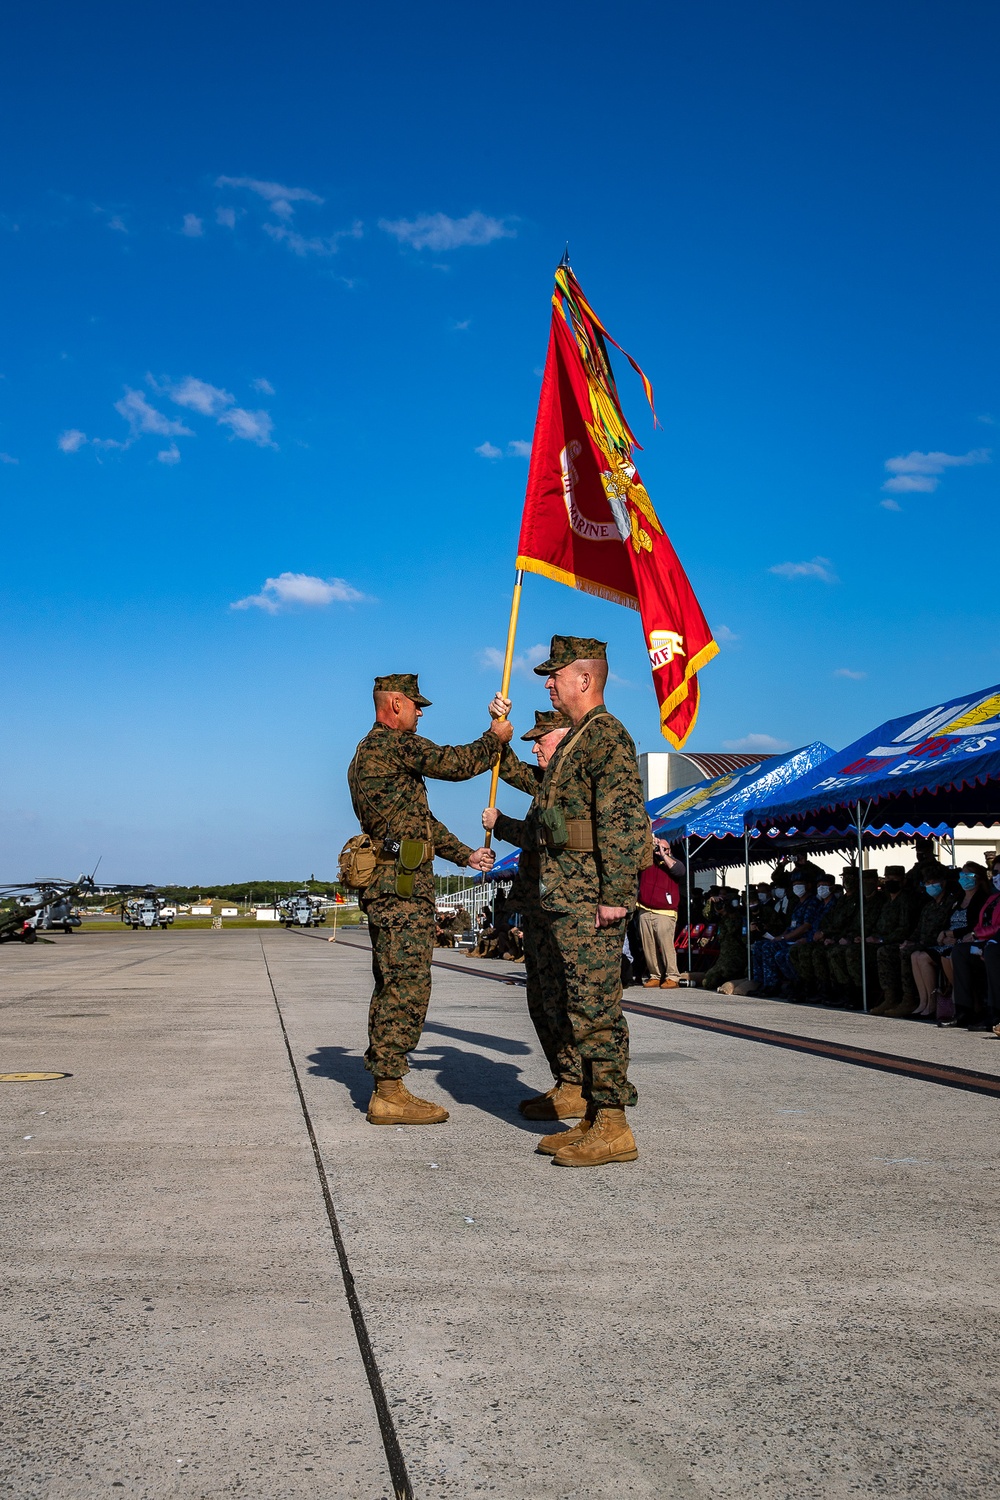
(275, 297)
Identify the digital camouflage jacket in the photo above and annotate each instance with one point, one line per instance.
(526, 778)
(592, 777)
(386, 778)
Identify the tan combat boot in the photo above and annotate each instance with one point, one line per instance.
(393, 1104)
(550, 1144)
(608, 1139)
(564, 1102)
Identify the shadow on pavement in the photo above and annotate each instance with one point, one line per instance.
(480, 1039)
(343, 1066)
(494, 1087)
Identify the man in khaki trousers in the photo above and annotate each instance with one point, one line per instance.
(659, 898)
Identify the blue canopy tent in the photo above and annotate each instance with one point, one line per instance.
(714, 811)
(919, 774)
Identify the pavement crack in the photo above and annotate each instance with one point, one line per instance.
(402, 1489)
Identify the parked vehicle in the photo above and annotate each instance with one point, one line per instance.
(145, 911)
(301, 910)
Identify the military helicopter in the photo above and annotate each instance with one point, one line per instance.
(145, 910)
(27, 905)
(301, 910)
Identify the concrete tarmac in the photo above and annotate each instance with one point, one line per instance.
(789, 1294)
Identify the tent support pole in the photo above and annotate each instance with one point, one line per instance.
(861, 911)
(687, 889)
(746, 891)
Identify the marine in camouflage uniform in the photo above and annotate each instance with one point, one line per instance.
(895, 923)
(546, 991)
(386, 779)
(732, 960)
(809, 960)
(845, 959)
(589, 827)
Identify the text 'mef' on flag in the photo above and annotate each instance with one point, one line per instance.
(588, 521)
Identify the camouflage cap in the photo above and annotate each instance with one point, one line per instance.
(545, 722)
(566, 649)
(405, 683)
(895, 870)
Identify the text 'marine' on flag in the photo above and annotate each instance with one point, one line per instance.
(588, 521)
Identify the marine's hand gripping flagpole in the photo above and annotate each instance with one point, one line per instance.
(508, 662)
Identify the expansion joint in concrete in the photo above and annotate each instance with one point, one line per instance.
(402, 1489)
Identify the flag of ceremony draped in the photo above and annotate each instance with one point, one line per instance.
(588, 521)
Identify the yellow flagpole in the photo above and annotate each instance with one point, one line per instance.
(508, 662)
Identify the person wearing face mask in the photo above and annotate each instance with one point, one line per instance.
(845, 958)
(772, 970)
(892, 927)
(731, 963)
(976, 887)
(924, 946)
(976, 964)
(809, 960)
(766, 917)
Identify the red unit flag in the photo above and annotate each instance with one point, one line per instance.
(588, 521)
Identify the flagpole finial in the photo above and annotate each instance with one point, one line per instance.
(565, 259)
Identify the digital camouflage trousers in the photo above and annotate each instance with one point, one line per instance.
(402, 934)
(546, 991)
(584, 964)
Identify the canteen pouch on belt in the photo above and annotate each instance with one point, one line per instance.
(554, 828)
(412, 853)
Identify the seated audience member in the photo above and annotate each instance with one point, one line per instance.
(772, 971)
(923, 947)
(732, 960)
(809, 959)
(976, 888)
(848, 960)
(976, 964)
(893, 926)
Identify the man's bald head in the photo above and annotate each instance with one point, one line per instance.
(578, 687)
(395, 710)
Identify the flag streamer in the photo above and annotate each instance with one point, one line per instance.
(588, 520)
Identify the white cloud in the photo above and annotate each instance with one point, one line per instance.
(890, 505)
(462, 326)
(226, 217)
(487, 450)
(524, 664)
(724, 636)
(439, 232)
(253, 426)
(142, 417)
(198, 395)
(518, 448)
(289, 589)
(171, 455)
(757, 744)
(818, 568)
(193, 227)
(117, 224)
(315, 244)
(264, 386)
(852, 676)
(72, 440)
(6, 458)
(278, 197)
(213, 401)
(909, 484)
(920, 472)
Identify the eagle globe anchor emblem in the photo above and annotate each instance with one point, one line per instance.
(620, 487)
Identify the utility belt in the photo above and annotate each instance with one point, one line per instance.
(407, 855)
(561, 833)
